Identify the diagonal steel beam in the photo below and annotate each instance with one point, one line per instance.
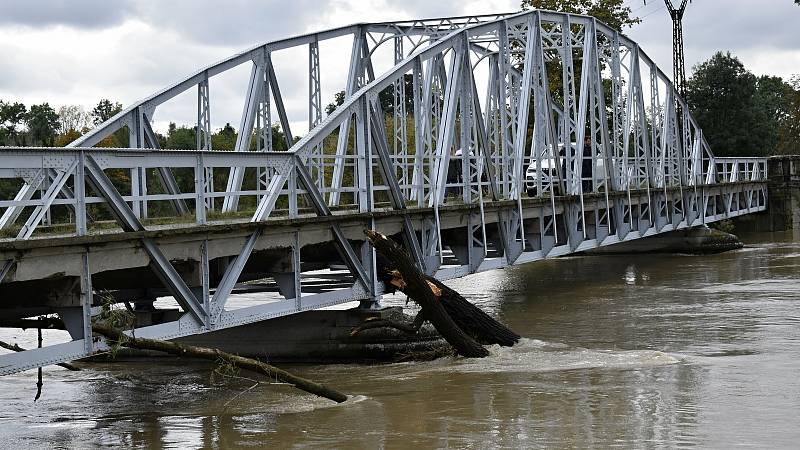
(130, 223)
(249, 113)
(47, 199)
(381, 147)
(276, 94)
(448, 124)
(346, 251)
(354, 74)
(164, 173)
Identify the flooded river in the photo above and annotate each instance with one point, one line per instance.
(650, 351)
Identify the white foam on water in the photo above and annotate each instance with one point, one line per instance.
(535, 356)
(751, 286)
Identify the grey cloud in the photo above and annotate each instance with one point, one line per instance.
(75, 13)
(743, 23)
(233, 22)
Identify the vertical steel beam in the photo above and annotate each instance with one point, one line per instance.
(203, 135)
(236, 176)
(355, 76)
(129, 222)
(87, 298)
(321, 208)
(447, 126)
(164, 173)
(316, 160)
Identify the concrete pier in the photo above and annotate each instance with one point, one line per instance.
(697, 240)
(783, 184)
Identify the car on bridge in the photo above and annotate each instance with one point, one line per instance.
(549, 173)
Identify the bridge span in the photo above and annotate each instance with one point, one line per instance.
(487, 141)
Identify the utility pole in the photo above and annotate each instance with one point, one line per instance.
(679, 69)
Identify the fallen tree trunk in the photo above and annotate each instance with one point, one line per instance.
(472, 319)
(417, 287)
(211, 354)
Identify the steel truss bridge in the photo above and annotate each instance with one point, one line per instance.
(475, 104)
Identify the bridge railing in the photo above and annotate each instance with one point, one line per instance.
(272, 185)
(736, 169)
(80, 180)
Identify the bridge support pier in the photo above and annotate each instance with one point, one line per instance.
(783, 208)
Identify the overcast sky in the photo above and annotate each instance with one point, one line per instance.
(79, 51)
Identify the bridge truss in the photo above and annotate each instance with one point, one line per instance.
(477, 104)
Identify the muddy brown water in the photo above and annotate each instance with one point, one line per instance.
(652, 351)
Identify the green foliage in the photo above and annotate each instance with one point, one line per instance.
(386, 96)
(42, 121)
(105, 110)
(613, 13)
(224, 369)
(338, 100)
(117, 318)
(726, 226)
(12, 116)
(741, 114)
(181, 138)
(224, 139)
(789, 132)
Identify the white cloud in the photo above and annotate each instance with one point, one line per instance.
(90, 50)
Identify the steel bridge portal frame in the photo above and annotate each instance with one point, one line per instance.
(651, 169)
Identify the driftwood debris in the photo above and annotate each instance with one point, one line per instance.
(461, 324)
(472, 319)
(211, 354)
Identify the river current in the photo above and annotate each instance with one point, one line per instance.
(650, 351)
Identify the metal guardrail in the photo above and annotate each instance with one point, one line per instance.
(199, 193)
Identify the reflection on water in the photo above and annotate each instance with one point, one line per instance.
(645, 351)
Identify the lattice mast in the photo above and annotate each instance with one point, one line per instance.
(678, 64)
(679, 68)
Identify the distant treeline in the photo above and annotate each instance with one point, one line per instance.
(740, 114)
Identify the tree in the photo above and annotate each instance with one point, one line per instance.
(723, 97)
(224, 139)
(181, 138)
(338, 100)
(12, 116)
(42, 121)
(386, 96)
(773, 98)
(611, 12)
(789, 132)
(72, 117)
(64, 139)
(105, 110)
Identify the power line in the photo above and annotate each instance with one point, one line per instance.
(637, 9)
(653, 12)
